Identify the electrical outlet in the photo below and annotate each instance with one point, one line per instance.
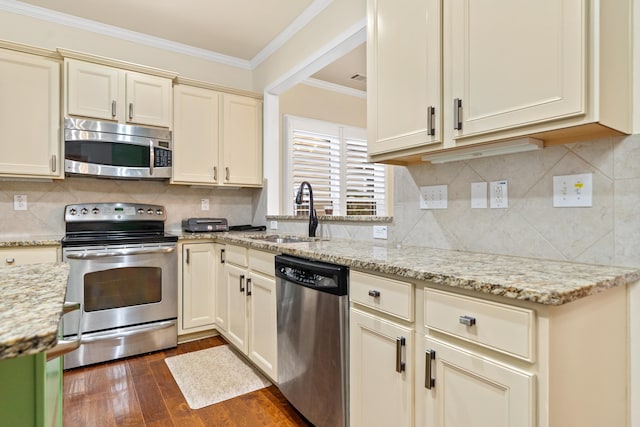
(204, 204)
(273, 225)
(379, 231)
(20, 202)
(573, 191)
(498, 195)
(433, 197)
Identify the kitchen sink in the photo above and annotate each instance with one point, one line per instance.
(274, 238)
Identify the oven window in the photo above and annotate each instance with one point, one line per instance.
(122, 287)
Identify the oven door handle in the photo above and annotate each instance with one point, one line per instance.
(121, 253)
(64, 346)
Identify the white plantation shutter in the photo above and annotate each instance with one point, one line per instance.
(333, 159)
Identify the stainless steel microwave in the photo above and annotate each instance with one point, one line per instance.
(112, 150)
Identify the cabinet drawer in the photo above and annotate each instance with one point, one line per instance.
(236, 255)
(500, 327)
(262, 262)
(27, 255)
(386, 295)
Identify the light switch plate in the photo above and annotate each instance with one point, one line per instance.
(498, 195)
(204, 204)
(273, 225)
(433, 197)
(573, 191)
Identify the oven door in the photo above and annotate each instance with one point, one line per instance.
(120, 286)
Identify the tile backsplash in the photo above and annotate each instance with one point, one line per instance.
(606, 233)
(46, 201)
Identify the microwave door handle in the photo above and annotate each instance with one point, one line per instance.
(151, 157)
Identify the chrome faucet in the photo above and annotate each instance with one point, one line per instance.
(313, 218)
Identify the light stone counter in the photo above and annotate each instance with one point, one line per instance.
(29, 240)
(528, 279)
(31, 300)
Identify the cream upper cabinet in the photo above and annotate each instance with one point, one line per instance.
(242, 140)
(403, 75)
(102, 92)
(554, 70)
(196, 135)
(29, 115)
(217, 138)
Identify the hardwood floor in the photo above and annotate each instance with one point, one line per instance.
(140, 391)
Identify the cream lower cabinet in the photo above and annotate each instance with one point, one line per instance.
(381, 371)
(483, 362)
(381, 348)
(29, 115)
(217, 138)
(103, 92)
(459, 388)
(27, 255)
(251, 294)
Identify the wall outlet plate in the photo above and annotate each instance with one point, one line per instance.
(498, 195)
(573, 191)
(20, 202)
(379, 231)
(273, 225)
(204, 204)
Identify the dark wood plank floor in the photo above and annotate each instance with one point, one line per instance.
(140, 391)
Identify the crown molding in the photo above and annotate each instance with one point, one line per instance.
(303, 19)
(344, 90)
(120, 33)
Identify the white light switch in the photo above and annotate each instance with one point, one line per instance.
(573, 191)
(498, 195)
(433, 197)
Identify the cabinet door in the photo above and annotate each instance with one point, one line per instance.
(29, 115)
(403, 71)
(92, 90)
(263, 339)
(198, 285)
(221, 308)
(196, 135)
(236, 279)
(513, 63)
(379, 394)
(242, 140)
(148, 100)
(470, 390)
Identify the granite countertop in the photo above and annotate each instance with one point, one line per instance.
(29, 240)
(31, 300)
(528, 279)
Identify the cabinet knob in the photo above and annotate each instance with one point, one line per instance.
(10, 260)
(374, 294)
(467, 320)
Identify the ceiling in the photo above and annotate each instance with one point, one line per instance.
(238, 28)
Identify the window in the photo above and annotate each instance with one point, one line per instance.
(333, 159)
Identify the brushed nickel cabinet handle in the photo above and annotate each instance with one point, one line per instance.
(10, 260)
(222, 256)
(113, 108)
(431, 124)
(467, 320)
(227, 173)
(429, 357)
(242, 283)
(215, 173)
(249, 287)
(54, 163)
(188, 256)
(457, 114)
(400, 364)
(130, 110)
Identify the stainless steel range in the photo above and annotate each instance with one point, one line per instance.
(123, 270)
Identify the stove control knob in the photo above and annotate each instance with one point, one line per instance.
(95, 211)
(150, 211)
(140, 211)
(72, 211)
(159, 212)
(84, 211)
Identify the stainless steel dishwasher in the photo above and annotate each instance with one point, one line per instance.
(313, 338)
